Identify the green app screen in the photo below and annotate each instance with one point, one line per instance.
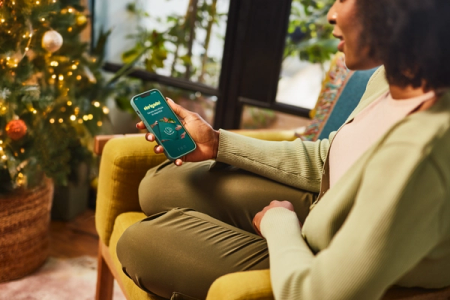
(164, 124)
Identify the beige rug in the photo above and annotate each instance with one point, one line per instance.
(58, 279)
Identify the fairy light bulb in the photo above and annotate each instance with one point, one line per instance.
(52, 121)
(105, 110)
(96, 104)
(73, 117)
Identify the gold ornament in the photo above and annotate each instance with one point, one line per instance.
(81, 20)
(52, 41)
(16, 129)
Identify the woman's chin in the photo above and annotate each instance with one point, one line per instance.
(360, 64)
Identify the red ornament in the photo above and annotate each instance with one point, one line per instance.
(16, 129)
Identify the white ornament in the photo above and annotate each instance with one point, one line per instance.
(52, 41)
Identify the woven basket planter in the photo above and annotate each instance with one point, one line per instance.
(24, 230)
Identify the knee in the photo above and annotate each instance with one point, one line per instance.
(167, 186)
(131, 251)
(126, 250)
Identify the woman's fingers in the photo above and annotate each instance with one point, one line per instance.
(158, 149)
(140, 125)
(150, 137)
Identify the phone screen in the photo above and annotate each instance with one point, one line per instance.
(159, 118)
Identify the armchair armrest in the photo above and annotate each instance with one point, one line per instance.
(242, 286)
(124, 162)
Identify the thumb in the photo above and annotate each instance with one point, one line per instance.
(178, 109)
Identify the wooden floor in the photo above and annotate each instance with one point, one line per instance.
(74, 238)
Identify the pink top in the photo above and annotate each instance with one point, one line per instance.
(354, 138)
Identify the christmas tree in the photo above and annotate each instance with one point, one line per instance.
(52, 93)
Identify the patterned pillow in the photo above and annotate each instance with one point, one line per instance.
(332, 86)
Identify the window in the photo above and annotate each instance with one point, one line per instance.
(253, 64)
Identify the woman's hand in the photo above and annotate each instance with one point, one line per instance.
(206, 138)
(275, 203)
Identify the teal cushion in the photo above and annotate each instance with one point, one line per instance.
(347, 101)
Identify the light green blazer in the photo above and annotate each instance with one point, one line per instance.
(385, 222)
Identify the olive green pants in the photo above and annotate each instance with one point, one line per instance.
(199, 227)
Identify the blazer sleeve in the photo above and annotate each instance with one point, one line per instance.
(395, 221)
(295, 163)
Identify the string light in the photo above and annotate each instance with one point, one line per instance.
(90, 116)
(22, 150)
(60, 120)
(99, 123)
(61, 77)
(54, 64)
(105, 110)
(85, 118)
(53, 76)
(70, 74)
(52, 121)
(4, 157)
(34, 111)
(74, 67)
(69, 103)
(96, 104)
(70, 10)
(80, 121)
(37, 2)
(79, 77)
(73, 117)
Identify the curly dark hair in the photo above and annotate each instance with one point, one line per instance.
(411, 38)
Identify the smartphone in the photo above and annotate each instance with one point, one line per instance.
(159, 119)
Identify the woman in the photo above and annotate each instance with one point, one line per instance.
(382, 216)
